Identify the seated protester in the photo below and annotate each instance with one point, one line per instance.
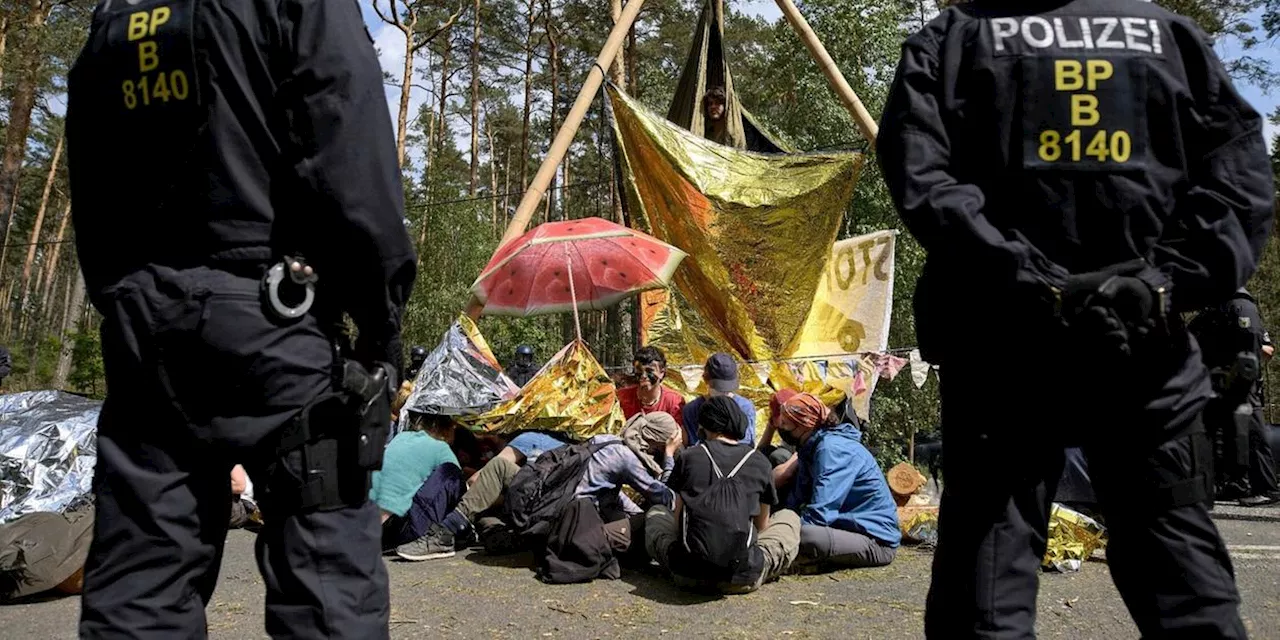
(649, 394)
(486, 488)
(721, 376)
(419, 483)
(720, 535)
(849, 517)
(608, 470)
(647, 436)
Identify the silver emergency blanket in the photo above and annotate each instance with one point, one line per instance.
(461, 377)
(48, 448)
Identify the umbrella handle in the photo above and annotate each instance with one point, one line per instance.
(573, 295)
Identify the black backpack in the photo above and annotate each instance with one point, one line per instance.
(717, 532)
(542, 488)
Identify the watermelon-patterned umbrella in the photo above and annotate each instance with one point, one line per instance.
(589, 263)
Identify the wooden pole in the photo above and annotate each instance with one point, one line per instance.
(538, 187)
(869, 127)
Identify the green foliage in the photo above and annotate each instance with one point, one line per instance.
(88, 375)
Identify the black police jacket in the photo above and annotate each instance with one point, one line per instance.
(230, 133)
(1025, 141)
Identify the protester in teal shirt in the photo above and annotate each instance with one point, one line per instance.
(419, 483)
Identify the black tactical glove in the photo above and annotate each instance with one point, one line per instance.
(1111, 313)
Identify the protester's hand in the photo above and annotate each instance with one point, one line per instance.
(674, 442)
(767, 438)
(238, 480)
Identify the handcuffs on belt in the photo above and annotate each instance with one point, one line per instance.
(298, 279)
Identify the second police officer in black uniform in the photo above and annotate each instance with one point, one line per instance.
(1080, 173)
(1236, 347)
(208, 140)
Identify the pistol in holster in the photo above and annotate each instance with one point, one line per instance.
(340, 437)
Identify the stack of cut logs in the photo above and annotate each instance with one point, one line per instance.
(906, 482)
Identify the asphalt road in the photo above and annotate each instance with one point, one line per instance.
(472, 595)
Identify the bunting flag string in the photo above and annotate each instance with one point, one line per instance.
(852, 375)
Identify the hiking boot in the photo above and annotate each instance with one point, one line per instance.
(438, 543)
(1258, 501)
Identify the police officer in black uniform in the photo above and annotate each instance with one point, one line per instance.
(417, 356)
(1080, 173)
(522, 369)
(1236, 346)
(236, 191)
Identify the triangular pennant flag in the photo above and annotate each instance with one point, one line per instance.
(919, 369)
(859, 383)
(797, 370)
(890, 365)
(762, 371)
(692, 376)
(822, 367)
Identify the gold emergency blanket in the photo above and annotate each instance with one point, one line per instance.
(1073, 537)
(758, 229)
(571, 394)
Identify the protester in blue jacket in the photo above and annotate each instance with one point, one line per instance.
(848, 517)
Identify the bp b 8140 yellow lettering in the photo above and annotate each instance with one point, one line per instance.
(1082, 113)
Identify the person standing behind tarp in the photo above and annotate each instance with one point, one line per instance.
(1236, 346)
(417, 356)
(714, 108)
(1079, 173)
(210, 146)
(522, 368)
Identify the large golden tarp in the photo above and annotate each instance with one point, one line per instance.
(758, 229)
(571, 394)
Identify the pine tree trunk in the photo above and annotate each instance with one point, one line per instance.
(406, 84)
(442, 131)
(74, 311)
(23, 102)
(633, 87)
(493, 175)
(617, 70)
(7, 300)
(506, 187)
(69, 280)
(475, 100)
(52, 263)
(618, 74)
(554, 45)
(528, 98)
(4, 39)
(36, 228)
(426, 173)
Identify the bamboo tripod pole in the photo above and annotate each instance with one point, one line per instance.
(869, 127)
(538, 187)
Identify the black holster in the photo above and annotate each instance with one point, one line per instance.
(339, 437)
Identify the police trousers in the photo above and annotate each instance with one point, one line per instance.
(1003, 455)
(198, 380)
